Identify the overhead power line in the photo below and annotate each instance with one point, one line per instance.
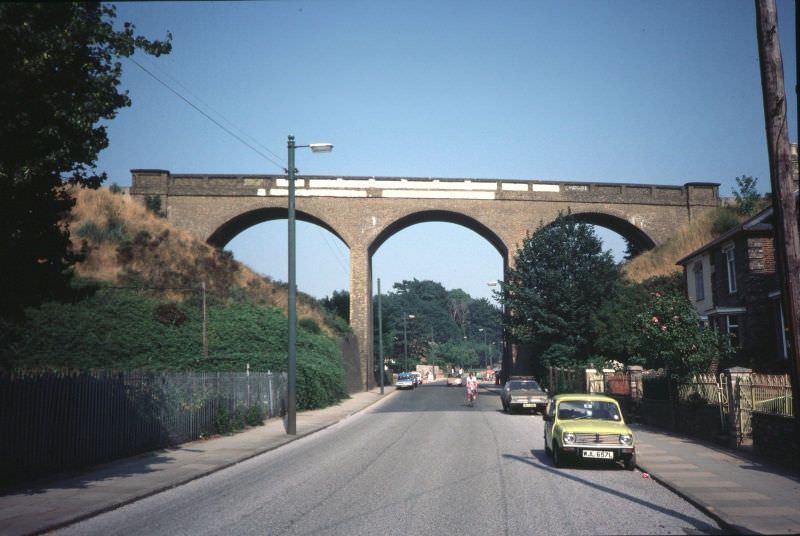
(220, 125)
(197, 98)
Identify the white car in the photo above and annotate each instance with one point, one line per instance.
(405, 381)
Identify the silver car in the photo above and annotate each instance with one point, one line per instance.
(523, 394)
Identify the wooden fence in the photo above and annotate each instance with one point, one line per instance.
(54, 421)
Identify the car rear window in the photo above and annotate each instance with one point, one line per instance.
(527, 384)
(588, 409)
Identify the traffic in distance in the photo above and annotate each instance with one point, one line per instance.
(578, 427)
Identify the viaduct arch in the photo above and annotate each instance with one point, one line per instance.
(365, 211)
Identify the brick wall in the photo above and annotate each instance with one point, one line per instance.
(773, 438)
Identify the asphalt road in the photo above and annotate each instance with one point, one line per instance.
(420, 462)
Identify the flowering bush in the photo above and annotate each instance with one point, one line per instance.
(674, 336)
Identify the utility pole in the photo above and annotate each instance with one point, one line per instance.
(205, 323)
(784, 202)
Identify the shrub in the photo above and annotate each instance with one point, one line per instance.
(310, 325)
(115, 188)
(724, 221)
(153, 204)
(255, 415)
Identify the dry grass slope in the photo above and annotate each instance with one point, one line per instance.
(689, 237)
(128, 245)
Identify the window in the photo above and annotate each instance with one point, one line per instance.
(732, 329)
(699, 291)
(781, 329)
(730, 263)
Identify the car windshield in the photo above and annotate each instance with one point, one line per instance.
(528, 385)
(588, 409)
(404, 377)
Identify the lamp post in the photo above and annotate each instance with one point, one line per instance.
(484, 345)
(291, 404)
(405, 339)
(380, 333)
(504, 365)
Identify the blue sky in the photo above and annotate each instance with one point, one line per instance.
(650, 92)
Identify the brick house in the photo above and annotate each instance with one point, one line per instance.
(733, 285)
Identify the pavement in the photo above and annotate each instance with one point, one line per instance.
(744, 495)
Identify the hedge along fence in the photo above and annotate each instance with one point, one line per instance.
(56, 421)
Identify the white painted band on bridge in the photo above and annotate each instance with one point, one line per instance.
(303, 192)
(437, 195)
(545, 187)
(352, 185)
(404, 184)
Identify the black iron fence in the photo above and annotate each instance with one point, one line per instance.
(54, 421)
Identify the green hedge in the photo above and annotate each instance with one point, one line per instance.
(126, 330)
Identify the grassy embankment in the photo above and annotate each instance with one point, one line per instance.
(687, 238)
(147, 312)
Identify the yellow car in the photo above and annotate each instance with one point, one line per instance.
(587, 427)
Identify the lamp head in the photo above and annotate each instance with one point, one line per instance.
(321, 147)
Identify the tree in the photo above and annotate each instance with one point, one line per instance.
(61, 73)
(458, 306)
(746, 195)
(338, 303)
(442, 320)
(619, 336)
(560, 278)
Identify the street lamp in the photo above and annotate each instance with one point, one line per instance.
(291, 403)
(405, 339)
(484, 345)
(380, 333)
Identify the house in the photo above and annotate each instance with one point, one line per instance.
(733, 285)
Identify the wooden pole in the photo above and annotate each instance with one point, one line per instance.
(784, 202)
(205, 323)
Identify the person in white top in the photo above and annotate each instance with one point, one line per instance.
(472, 389)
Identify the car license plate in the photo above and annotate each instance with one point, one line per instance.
(599, 454)
(528, 405)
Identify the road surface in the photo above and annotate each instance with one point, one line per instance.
(419, 462)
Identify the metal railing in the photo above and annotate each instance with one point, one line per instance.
(771, 394)
(53, 421)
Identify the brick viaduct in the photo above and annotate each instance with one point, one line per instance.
(365, 211)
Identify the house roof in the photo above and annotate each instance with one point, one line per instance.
(759, 222)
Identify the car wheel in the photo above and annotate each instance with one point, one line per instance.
(558, 457)
(630, 462)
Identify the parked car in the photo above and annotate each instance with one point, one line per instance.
(405, 381)
(587, 427)
(454, 379)
(417, 377)
(523, 394)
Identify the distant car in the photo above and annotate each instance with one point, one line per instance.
(405, 381)
(523, 394)
(587, 427)
(454, 379)
(417, 377)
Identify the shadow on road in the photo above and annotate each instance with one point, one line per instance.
(541, 461)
